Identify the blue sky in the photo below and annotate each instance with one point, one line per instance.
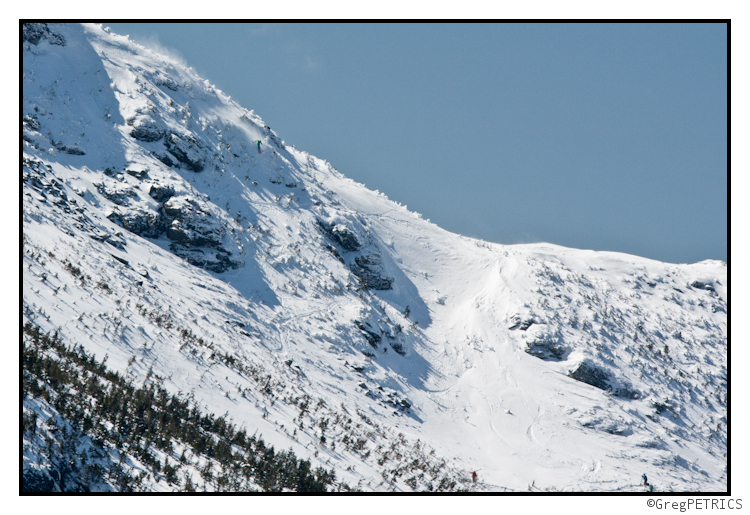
(600, 136)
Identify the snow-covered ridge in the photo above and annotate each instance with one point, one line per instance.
(157, 234)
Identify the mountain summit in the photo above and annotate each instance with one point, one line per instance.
(207, 307)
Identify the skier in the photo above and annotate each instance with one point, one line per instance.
(474, 476)
(258, 142)
(645, 480)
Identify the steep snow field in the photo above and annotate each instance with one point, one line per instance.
(335, 322)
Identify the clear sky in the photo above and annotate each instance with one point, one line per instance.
(597, 136)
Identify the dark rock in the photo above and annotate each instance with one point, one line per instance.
(75, 151)
(146, 134)
(201, 258)
(164, 159)
(138, 174)
(372, 338)
(661, 407)
(702, 286)
(372, 281)
(335, 252)
(177, 234)
(627, 392)
(145, 129)
(161, 193)
(143, 223)
(340, 235)
(123, 261)
(173, 210)
(590, 374)
(31, 121)
(161, 79)
(546, 349)
(522, 323)
(116, 195)
(190, 232)
(367, 269)
(345, 238)
(186, 152)
(398, 348)
(35, 32)
(367, 261)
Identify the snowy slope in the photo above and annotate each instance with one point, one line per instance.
(155, 233)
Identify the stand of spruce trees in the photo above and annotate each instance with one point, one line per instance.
(123, 419)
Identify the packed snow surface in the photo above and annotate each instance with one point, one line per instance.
(156, 234)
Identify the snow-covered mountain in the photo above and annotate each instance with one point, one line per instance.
(171, 231)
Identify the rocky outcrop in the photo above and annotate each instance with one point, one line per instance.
(160, 78)
(521, 322)
(39, 177)
(371, 337)
(340, 235)
(143, 223)
(591, 374)
(31, 133)
(31, 121)
(367, 267)
(145, 129)
(116, 193)
(35, 32)
(161, 193)
(186, 150)
(368, 271)
(214, 260)
(703, 285)
(547, 349)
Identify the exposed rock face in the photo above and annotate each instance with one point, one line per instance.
(138, 174)
(186, 151)
(40, 178)
(367, 267)
(590, 374)
(700, 285)
(340, 235)
(35, 32)
(31, 133)
(116, 192)
(145, 129)
(547, 349)
(31, 121)
(142, 223)
(214, 260)
(161, 79)
(368, 270)
(161, 193)
(521, 322)
(371, 337)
